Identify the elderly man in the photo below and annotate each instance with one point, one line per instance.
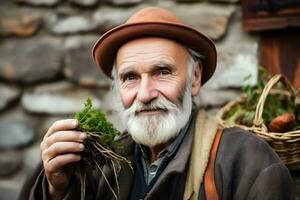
(158, 64)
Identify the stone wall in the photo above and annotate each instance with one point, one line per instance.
(46, 70)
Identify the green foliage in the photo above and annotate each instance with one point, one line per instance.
(99, 146)
(275, 104)
(94, 121)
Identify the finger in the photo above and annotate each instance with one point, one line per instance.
(60, 161)
(61, 125)
(59, 148)
(64, 136)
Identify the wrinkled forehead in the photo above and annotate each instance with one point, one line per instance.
(150, 49)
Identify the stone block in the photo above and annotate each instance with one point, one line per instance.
(72, 25)
(16, 134)
(79, 65)
(58, 98)
(237, 63)
(30, 60)
(8, 94)
(19, 25)
(109, 17)
(210, 19)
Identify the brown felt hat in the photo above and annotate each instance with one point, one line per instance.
(149, 22)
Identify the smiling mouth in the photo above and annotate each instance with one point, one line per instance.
(151, 111)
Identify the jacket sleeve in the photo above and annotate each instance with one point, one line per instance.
(272, 183)
(36, 187)
(39, 191)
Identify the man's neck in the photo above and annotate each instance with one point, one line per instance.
(154, 151)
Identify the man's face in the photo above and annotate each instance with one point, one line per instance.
(149, 67)
(153, 85)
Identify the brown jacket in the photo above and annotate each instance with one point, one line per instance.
(245, 168)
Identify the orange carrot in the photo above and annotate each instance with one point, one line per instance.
(282, 123)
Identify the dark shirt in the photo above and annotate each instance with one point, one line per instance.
(142, 183)
(150, 169)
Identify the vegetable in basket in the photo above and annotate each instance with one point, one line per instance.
(279, 108)
(282, 123)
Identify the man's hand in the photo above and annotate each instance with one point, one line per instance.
(60, 149)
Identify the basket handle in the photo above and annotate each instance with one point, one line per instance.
(258, 120)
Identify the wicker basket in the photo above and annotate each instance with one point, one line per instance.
(287, 144)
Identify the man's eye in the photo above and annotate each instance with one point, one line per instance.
(164, 72)
(129, 77)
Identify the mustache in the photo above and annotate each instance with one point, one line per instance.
(160, 103)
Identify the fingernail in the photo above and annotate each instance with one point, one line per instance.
(83, 136)
(75, 123)
(81, 146)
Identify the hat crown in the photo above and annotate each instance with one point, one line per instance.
(153, 14)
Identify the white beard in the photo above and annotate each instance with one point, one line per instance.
(159, 128)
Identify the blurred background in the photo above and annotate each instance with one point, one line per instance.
(47, 72)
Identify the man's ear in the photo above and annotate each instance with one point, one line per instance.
(197, 80)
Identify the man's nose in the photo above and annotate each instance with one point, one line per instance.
(147, 91)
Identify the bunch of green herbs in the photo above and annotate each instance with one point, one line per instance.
(94, 121)
(100, 145)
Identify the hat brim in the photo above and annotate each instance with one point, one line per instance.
(105, 49)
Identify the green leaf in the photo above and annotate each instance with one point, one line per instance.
(94, 121)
